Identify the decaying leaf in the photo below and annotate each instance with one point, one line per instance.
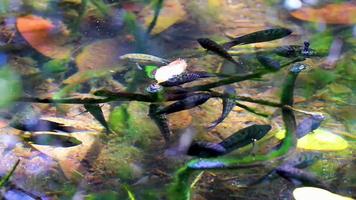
(100, 54)
(44, 36)
(344, 13)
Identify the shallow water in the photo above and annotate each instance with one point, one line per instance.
(56, 55)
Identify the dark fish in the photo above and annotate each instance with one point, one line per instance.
(287, 169)
(195, 99)
(259, 36)
(292, 51)
(210, 45)
(245, 136)
(97, 113)
(29, 120)
(309, 124)
(239, 139)
(206, 149)
(268, 62)
(36, 124)
(185, 77)
(298, 176)
(228, 105)
(161, 121)
(52, 140)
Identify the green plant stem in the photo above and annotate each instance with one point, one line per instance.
(158, 7)
(6, 178)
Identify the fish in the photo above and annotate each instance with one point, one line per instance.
(309, 124)
(55, 140)
(268, 62)
(29, 120)
(211, 45)
(245, 136)
(288, 168)
(185, 77)
(292, 51)
(297, 67)
(97, 113)
(143, 58)
(237, 140)
(161, 121)
(206, 149)
(228, 105)
(189, 102)
(259, 36)
(37, 124)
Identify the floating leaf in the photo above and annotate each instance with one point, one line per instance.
(344, 13)
(44, 36)
(99, 55)
(171, 13)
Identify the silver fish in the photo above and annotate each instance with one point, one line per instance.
(143, 58)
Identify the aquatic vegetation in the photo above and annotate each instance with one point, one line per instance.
(138, 70)
(7, 177)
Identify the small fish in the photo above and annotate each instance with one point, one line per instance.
(143, 58)
(185, 77)
(161, 121)
(287, 169)
(154, 88)
(206, 149)
(292, 51)
(268, 62)
(210, 45)
(297, 67)
(51, 140)
(36, 124)
(259, 36)
(298, 176)
(29, 120)
(195, 99)
(97, 113)
(309, 124)
(239, 139)
(228, 105)
(245, 136)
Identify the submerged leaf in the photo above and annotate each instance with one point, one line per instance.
(344, 13)
(100, 54)
(44, 36)
(97, 113)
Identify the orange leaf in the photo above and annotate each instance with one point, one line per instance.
(330, 14)
(43, 36)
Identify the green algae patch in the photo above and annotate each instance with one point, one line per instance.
(133, 124)
(10, 87)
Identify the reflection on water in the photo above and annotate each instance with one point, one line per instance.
(116, 89)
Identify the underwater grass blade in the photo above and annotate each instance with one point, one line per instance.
(251, 110)
(101, 6)
(181, 181)
(158, 7)
(97, 113)
(129, 193)
(6, 178)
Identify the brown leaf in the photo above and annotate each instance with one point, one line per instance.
(44, 36)
(344, 13)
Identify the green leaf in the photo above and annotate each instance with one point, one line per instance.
(10, 87)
